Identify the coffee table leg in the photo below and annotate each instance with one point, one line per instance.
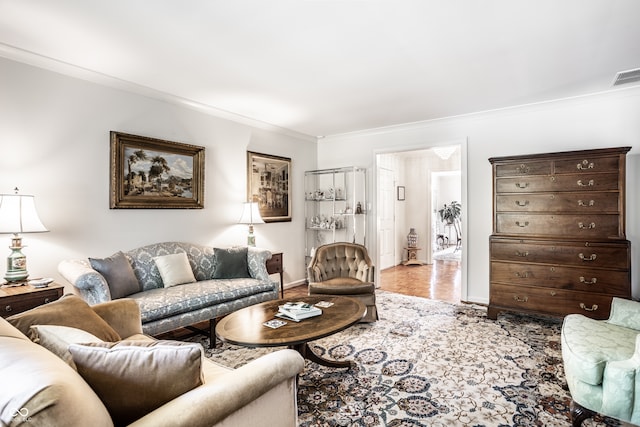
(308, 354)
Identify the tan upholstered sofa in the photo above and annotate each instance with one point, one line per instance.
(40, 389)
(344, 269)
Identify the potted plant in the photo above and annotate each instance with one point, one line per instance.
(449, 213)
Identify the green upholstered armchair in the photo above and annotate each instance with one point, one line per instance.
(344, 269)
(602, 363)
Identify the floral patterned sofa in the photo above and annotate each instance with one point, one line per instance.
(223, 281)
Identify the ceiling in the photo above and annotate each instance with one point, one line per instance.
(326, 67)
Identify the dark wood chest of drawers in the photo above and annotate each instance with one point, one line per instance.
(558, 244)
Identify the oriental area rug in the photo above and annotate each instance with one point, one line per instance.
(430, 363)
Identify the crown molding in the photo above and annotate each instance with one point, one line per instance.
(30, 58)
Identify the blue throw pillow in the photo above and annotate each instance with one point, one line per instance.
(231, 263)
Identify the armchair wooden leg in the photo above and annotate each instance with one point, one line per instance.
(579, 414)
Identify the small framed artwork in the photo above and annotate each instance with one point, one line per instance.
(150, 173)
(400, 192)
(268, 185)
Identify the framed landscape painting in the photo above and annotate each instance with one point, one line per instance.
(268, 185)
(150, 173)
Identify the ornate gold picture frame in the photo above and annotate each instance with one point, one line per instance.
(150, 173)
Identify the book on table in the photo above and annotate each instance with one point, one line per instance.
(298, 311)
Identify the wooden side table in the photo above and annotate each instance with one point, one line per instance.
(16, 299)
(274, 265)
(412, 256)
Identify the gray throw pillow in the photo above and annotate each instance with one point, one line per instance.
(133, 378)
(231, 263)
(118, 273)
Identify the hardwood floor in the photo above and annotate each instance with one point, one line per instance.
(440, 281)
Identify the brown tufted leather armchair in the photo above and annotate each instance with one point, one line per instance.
(344, 269)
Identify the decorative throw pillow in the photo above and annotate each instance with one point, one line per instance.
(132, 378)
(231, 263)
(57, 339)
(118, 273)
(70, 310)
(175, 269)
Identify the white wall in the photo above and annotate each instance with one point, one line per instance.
(54, 139)
(597, 121)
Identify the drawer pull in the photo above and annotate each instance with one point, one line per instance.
(522, 184)
(8, 309)
(589, 226)
(522, 275)
(591, 183)
(592, 257)
(590, 203)
(522, 225)
(522, 204)
(47, 300)
(588, 282)
(522, 254)
(585, 165)
(522, 169)
(594, 307)
(553, 293)
(518, 299)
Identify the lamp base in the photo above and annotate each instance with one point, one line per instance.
(16, 264)
(251, 238)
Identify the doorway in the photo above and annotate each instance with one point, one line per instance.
(446, 194)
(405, 199)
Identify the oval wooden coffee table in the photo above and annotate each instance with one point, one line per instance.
(245, 327)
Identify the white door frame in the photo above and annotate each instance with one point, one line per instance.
(373, 247)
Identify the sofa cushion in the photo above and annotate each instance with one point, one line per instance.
(118, 273)
(342, 286)
(70, 310)
(231, 263)
(132, 378)
(174, 269)
(588, 345)
(57, 339)
(39, 389)
(163, 303)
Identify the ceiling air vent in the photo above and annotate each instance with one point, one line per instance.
(628, 76)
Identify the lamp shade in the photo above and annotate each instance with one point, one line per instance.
(251, 214)
(18, 214)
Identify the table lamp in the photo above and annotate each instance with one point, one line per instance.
(18, 215)
(251, 215)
